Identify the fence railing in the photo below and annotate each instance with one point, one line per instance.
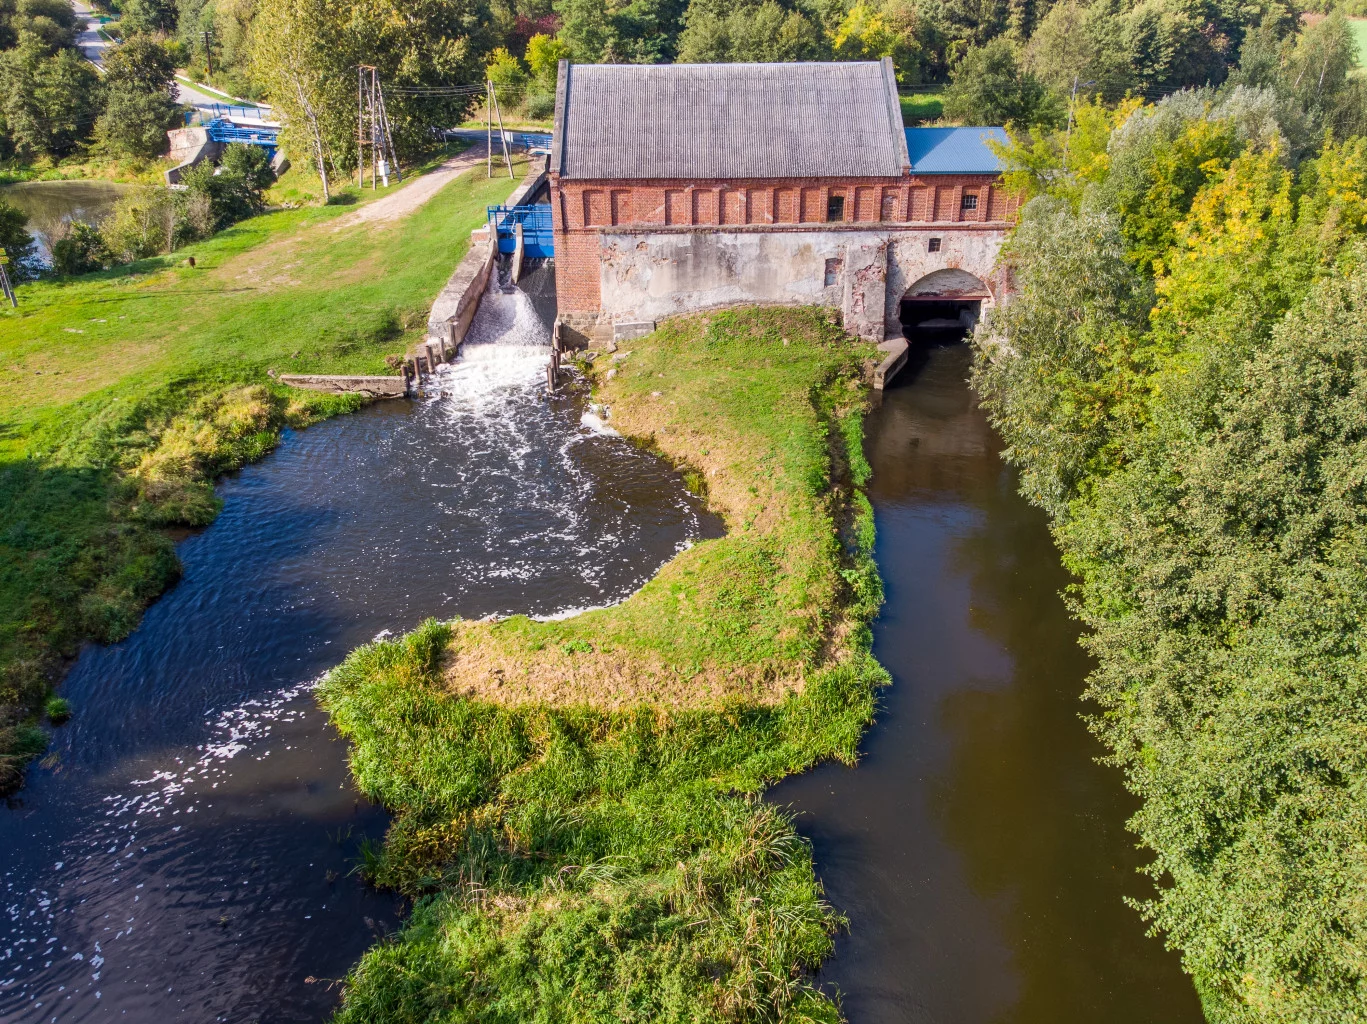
(538, 238)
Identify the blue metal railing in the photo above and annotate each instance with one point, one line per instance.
(531, 140)
(538, 238)
(222, 130)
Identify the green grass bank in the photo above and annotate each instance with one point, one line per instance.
(577, 803)
(123, 394)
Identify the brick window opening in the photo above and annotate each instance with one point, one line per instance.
(835, 209)
(933, 245)
(970, 202)
(832, 271)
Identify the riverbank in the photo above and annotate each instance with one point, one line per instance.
(123, 394)
(576, 800)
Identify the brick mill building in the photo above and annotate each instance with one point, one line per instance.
(688, 186)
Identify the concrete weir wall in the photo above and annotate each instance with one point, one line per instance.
(865, 274)
(456, 303)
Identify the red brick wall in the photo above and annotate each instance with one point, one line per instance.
(581, 208)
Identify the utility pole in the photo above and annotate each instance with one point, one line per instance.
(372, 130)
(1068, 134)
(208, 56)
(502, 135)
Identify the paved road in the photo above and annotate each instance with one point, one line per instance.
(93, 46)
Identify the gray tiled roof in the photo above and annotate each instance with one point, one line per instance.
(710, 121)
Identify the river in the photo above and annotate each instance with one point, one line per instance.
(978, 849)
(184, 851)
(50, 205)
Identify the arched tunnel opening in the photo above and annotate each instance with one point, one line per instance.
(942, 307)
(938, 320)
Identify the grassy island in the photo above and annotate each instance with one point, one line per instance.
(577, 802)
(123, 394)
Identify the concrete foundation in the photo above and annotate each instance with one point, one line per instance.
(652, 275)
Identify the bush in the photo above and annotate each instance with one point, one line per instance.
(80, 251)
(152, 220)
(539, 105)
(57, 709)
(236, 188)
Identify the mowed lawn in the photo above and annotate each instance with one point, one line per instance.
(296, 290)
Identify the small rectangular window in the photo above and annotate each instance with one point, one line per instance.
(832, 272)
(934, 245)
(835, 208)
(970, 201)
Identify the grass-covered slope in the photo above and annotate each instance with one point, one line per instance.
(123, 394)
(576, 801)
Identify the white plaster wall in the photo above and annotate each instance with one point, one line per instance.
(650, 276)
(655, 275)
(910, 259)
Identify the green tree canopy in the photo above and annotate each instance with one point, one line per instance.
(990, 86)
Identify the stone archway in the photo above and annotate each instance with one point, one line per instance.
(944, 305)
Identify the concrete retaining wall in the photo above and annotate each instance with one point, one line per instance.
(655, 275)
(455, 305)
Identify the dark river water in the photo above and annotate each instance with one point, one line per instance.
(978, 849)
(51, 205)
(184, 853)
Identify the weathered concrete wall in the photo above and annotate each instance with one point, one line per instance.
(188, 147)
(457, 301)
(373, 387)
(654, 275)
(651, 276)
(910, 261)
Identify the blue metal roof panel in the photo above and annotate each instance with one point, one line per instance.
(954, 150)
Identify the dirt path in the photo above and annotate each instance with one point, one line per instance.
(414, 193)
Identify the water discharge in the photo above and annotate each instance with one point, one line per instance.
(184, 852)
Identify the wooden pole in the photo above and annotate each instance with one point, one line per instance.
(502, 135)
(489, 128)
(360, 127)
(389, 138)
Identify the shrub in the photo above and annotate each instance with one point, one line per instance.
(80, 251)
(152, 220)
(236, 188)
